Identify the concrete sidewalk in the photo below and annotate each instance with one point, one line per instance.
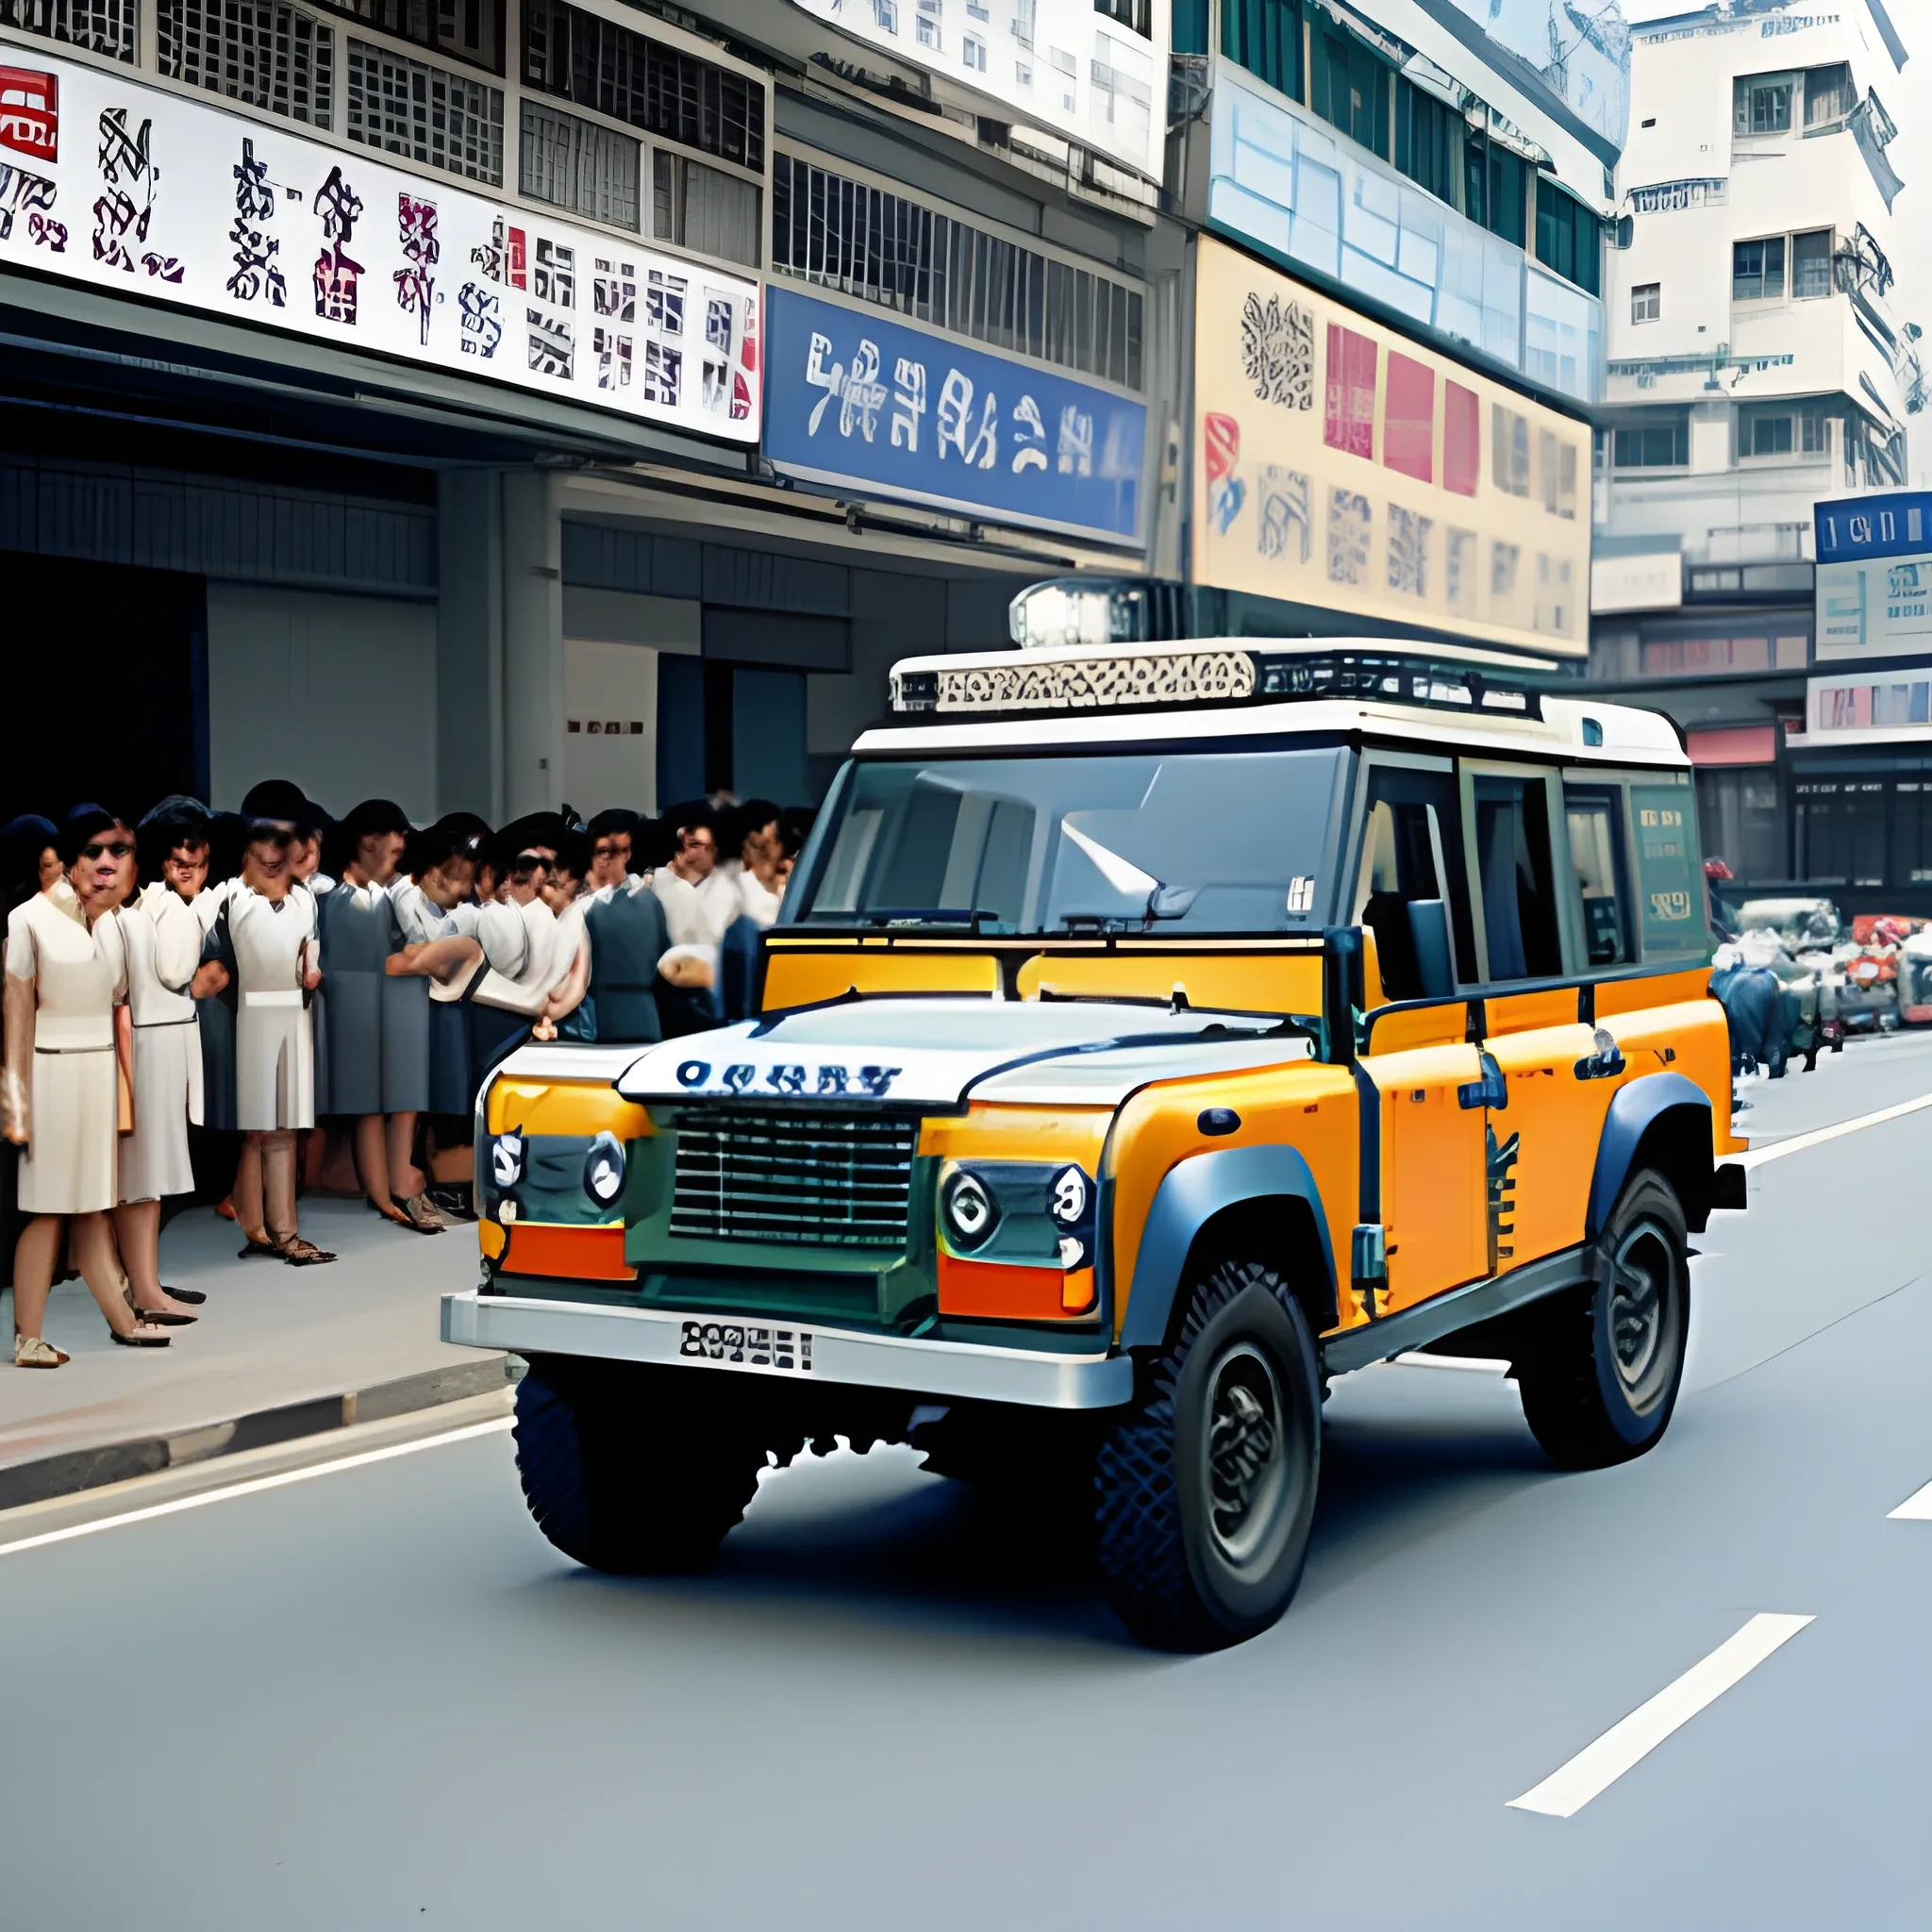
(280, 1352)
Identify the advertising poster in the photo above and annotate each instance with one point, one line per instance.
(854, 396)
(134, 189)
(1340, 465)
(1874, 574)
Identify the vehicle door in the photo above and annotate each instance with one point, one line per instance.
(1547, 1081)
(1419, 1076)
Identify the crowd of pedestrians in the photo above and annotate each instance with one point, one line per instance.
(248, 1005)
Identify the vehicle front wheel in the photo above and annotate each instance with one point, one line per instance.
(1601, 1371)
(1207, 1485)
(638, 1471)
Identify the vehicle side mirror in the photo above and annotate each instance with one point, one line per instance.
(1428, 927)
(1171, 902)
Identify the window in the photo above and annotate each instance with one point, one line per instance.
(1425, 138)
(928, 23)
(265, 53)
(1829, 96)
(1646, 302)
(885, 14)
(102, 26)
(1265, 36)
(1814, 439)
(670, 95)
(1811, 265)
(591, 171)
(1519, 900)
(1495, 187)
(1743, 822)
(1656, 446)
(441, 119)
(1669, 877)
(1568, 238)
(1911, 836)
(703, 209)
(1411, 838)
(1597, 851)
(886, 248)
(472, 30)
(1135, 15)
(972, 53)
(1768, 436)
(1840, 829)
(1348, 85)
(1757, 269)
(1761, 103)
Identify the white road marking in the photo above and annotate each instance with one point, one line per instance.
(1916, 1507)
(1598, 1766)
(255, 1486)
(1799, 1142)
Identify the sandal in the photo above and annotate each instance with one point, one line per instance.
(188, 1297)
(420, 1214)
(263, 1246)
(139, 1337)
(30, 1352)
(375, 1206)
(155, 1318)
(298, 1253)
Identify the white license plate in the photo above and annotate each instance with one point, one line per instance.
(747, 1345)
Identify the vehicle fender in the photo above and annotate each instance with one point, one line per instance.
(1193, 1193)
(1635, 1110)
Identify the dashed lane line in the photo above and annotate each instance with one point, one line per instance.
(1916, 1507)
(1598, 1766)
(255, 1486)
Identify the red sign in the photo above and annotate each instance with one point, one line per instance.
(30, 113)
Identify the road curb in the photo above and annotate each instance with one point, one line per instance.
(70, 1472)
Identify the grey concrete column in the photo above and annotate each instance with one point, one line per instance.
(469, 643)
(532, 643)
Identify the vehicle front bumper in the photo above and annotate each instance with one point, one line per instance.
(954, 1371)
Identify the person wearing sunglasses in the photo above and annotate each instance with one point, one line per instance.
(265, 939)
(66, 972)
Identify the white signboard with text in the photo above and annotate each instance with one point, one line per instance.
(1058, 65)
(126, 186)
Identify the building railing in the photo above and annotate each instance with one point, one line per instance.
(1754, 543)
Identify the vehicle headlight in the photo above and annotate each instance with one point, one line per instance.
(604, 1170)
(506, 1161)
(970, 1210)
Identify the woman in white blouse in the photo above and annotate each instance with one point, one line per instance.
(66, 975)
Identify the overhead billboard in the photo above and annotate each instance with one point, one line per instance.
(1340, 465)
(1094, 73)
(857, 399)
(1873, 581)
(1582, 54)
(129, 188)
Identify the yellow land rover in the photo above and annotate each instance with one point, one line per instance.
(1148, 1038)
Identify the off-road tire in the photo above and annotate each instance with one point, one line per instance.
(1600, 1375)
(1199, 1551)
(639, 1471)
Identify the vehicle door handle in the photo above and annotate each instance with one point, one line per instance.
(1491, 1091)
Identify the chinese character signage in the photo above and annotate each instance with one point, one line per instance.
(1063, 65)
(124, 187)
(1874, 574)
(855, 397)
(1342, 465)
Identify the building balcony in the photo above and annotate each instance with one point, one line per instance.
(1283, 180)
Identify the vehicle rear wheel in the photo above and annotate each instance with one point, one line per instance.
(1600, 1377)
(639, 1471)
(1207, 1485)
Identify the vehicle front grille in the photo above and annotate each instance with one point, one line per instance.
(832, 1180)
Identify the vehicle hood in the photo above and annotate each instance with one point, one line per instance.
(940, 1053)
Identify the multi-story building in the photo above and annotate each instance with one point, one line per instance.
(1760, 360)
(537, 400)
(1398, 325)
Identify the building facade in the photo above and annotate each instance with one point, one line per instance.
(1760, 360)
(538, 402)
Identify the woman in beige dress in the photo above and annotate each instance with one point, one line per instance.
(66, 971)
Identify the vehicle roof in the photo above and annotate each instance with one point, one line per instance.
(1459, 697)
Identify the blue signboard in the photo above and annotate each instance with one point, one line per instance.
(1897, 523)
(855, 397)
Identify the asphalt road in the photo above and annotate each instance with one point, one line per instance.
(374, 1697)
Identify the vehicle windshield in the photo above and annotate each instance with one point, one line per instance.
(1150, 842)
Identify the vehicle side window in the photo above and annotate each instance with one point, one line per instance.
(1512, 847)
(1670, 883)
(1597, 851)
(1411, 836)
